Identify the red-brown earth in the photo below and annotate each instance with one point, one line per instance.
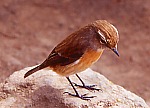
(29, 30)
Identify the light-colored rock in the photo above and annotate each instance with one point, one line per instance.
(45, 88)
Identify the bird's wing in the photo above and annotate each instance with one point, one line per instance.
(56, 58)
(61, 55)
(68, 51)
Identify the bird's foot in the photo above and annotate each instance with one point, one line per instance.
(83, 97)
(89, 87)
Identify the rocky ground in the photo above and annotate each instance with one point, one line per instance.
(30, 29)
(46, 89)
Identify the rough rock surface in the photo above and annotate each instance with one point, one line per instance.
(45, 89)
(30, 29)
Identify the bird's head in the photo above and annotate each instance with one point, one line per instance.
(107, 35)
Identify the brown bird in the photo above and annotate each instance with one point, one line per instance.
(79, 51)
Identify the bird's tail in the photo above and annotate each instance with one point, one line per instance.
(32, 71)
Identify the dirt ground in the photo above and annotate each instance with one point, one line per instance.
(29, 30)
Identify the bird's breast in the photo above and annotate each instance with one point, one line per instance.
(87, 59)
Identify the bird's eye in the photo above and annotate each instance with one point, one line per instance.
(102, 37)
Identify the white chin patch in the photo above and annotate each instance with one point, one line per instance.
(99, 50)
(116, 46)
(102, 36)
(76, 62)
(115, 29)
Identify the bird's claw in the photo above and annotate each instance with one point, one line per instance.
(83, 97)
(90, 87)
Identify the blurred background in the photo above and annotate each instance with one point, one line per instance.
(29, 30)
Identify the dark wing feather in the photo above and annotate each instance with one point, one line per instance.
(70, 49)
(64, 55)
(58, 59)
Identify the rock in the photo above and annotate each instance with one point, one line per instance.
(45, 89)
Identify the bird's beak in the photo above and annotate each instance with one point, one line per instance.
(115, 51)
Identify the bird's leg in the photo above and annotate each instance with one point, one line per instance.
(89, 87)
(84, 97)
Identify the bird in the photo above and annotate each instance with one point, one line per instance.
(79, 51)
